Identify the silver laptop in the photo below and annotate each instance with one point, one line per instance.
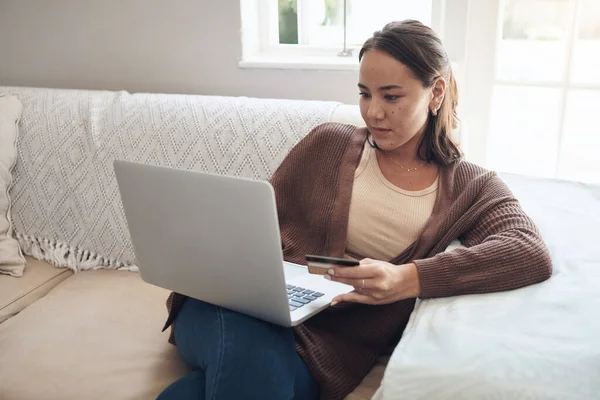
(216, 238)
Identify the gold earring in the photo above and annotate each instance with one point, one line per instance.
(434, 112)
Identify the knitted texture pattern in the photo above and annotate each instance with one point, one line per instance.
(66, 204)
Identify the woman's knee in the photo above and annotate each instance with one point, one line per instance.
(253, 332)
(205, 319)
(202, 329)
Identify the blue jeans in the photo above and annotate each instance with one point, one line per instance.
(234, 356)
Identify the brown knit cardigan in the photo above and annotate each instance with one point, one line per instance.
(313, 186)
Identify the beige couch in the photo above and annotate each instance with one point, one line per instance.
(95, 334)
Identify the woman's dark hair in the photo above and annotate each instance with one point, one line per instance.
(419, 48)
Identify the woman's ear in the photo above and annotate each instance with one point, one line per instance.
(438, 91)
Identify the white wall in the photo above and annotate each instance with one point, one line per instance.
(170, 46)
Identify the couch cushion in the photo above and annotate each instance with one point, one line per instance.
(18, 293)
(11, 259)
(97, 336)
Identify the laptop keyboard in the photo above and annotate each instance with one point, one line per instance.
(299, 296)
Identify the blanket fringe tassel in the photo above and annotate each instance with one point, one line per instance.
(65, 256)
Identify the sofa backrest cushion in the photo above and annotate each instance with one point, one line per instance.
(68, 209)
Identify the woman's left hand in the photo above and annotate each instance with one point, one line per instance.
(377, 282)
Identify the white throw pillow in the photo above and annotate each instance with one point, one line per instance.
(12, 261)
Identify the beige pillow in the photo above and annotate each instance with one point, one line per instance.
(12, 261)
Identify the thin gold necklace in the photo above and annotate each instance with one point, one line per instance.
(402, 166)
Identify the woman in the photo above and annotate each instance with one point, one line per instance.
(394, 195)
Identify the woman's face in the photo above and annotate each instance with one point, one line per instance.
(393, 103)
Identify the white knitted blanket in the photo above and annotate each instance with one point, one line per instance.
(66, 205)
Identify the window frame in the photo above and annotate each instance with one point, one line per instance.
(260, 47)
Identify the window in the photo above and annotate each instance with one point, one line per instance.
(321, 22)
(544, 90)
(322, 31)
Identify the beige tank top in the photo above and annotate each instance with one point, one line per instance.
(384, 220)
